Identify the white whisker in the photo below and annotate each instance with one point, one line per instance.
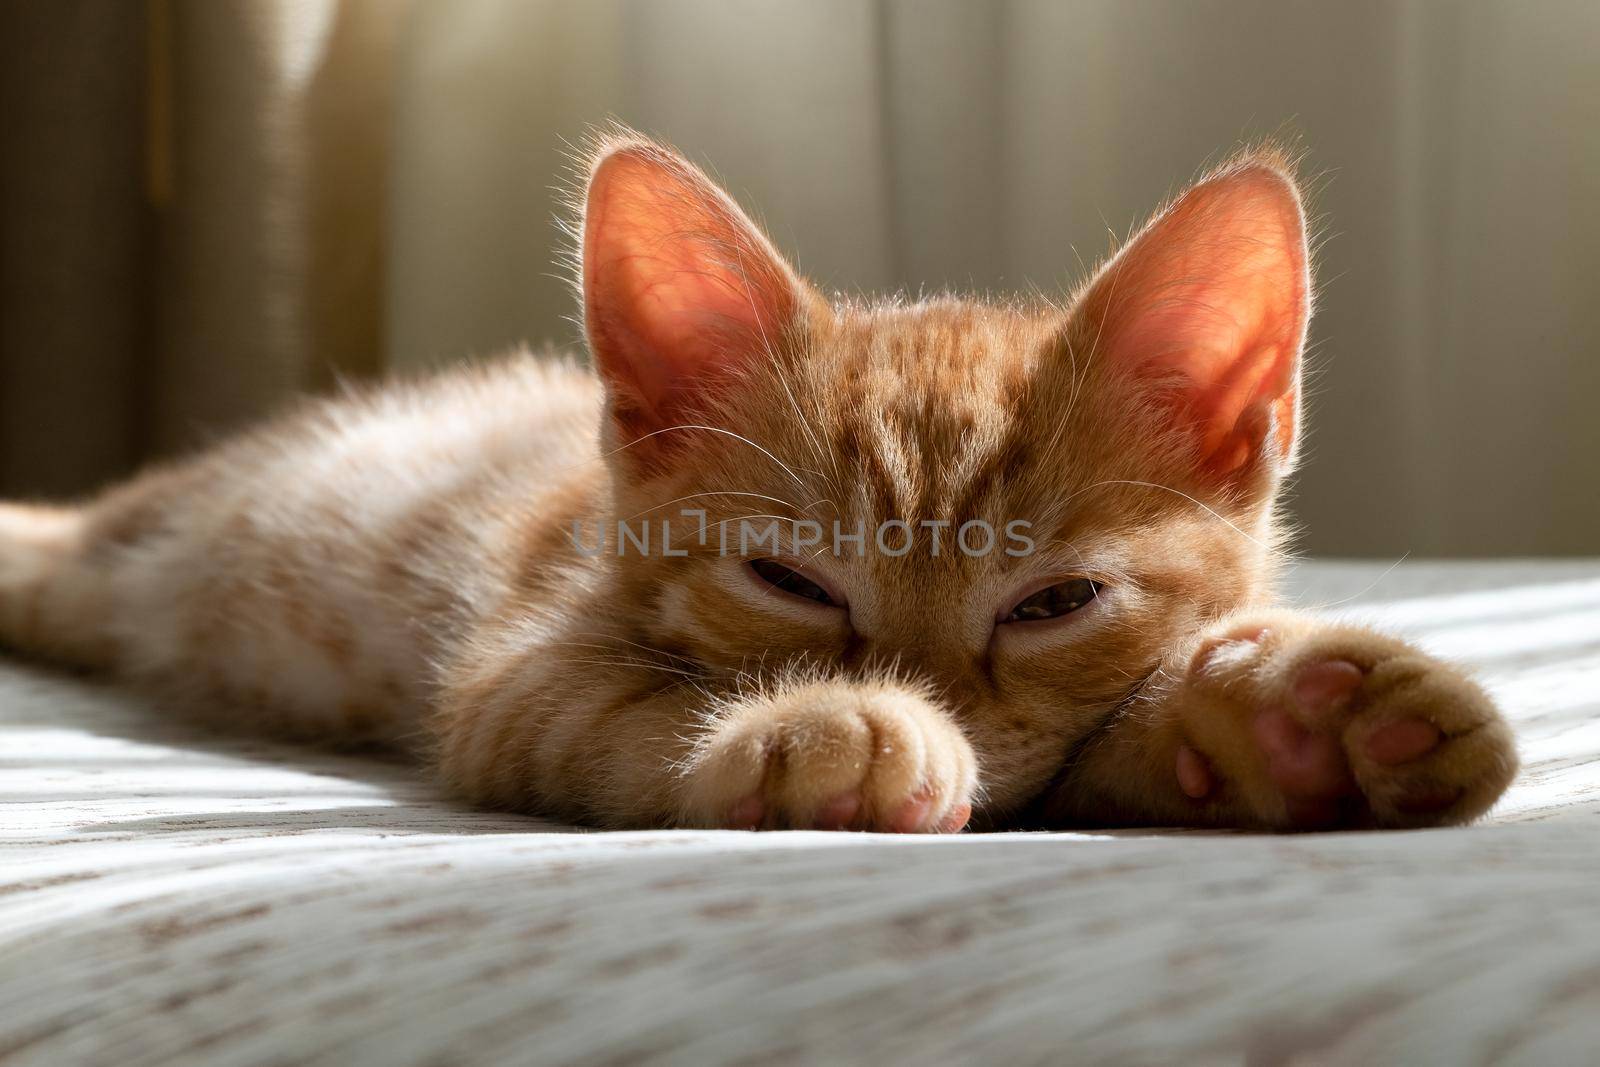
(1176, 492)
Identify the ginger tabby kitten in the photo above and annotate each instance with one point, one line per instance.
(430, 560)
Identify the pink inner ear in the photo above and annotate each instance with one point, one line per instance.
(1211, 302)
(679, 286)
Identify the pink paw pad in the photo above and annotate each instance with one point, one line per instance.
(912, 818)
(916, 817)
(957, 820)
(1326, 687)
(748, 814)
(838, 813)
(1302, 763)
(1402, 741)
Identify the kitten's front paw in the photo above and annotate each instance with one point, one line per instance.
(833, 756)
(1304, 725)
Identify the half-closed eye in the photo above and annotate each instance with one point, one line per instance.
(792, 581)
(1053, 601)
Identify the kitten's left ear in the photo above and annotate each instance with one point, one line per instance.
(680, 289)
(1207, 309)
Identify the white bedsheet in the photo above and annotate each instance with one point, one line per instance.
(167, 897)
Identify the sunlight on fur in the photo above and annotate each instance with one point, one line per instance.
(398, 565)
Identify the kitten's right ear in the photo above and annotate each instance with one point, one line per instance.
(680, 289)
(1207, 309)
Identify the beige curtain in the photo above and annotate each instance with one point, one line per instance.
(287, 190)
(194, 206)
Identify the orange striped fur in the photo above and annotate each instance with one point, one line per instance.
(398, 566)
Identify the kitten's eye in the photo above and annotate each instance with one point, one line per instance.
(789, 580)
(1052, 601)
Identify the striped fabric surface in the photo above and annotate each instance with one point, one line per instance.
(169, 896)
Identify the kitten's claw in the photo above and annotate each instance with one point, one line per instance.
(1299, 725)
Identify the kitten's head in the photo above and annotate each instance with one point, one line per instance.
(1047, 497)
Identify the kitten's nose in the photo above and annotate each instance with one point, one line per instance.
(926, 657)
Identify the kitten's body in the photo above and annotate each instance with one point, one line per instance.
(402, 566)
(314, 575)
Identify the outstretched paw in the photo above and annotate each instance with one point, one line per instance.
(1299, 725)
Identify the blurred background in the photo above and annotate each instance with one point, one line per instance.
(207, 206)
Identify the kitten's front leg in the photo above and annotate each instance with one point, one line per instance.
(1281, 721)
(614, 747)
